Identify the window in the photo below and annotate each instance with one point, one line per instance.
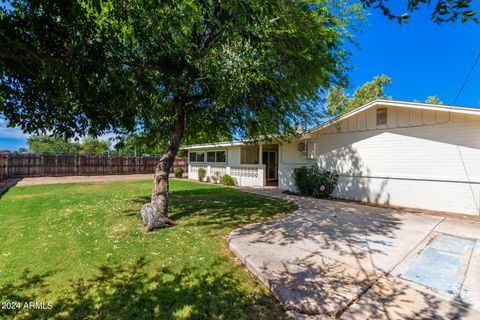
(211, 156)
(221, 156)
(381, 116)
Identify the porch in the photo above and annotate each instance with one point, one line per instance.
(250, 165)
(245, 175)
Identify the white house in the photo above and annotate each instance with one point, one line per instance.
(389, 152)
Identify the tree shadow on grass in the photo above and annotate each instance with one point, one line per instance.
(7, 184)
(127, 291)
(218, 208)
(226, 208)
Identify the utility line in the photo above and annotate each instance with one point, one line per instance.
(467, 78)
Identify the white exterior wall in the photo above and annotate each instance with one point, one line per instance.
(245, 175)
(233, 156)
(422, 159)
(289, 158)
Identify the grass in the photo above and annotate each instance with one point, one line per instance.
(81, 247)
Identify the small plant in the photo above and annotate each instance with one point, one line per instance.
(315, 182)
(202, 173)
(216, 177)
(228, 180)
(178, 173)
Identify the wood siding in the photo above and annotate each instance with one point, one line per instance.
(421, 158)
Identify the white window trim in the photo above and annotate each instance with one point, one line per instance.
(206, 157)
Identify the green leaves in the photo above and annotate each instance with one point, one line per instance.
(444, 10)
(433, 100)
(338, 102)
(43, 144)
(245, 68)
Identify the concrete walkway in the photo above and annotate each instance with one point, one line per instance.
(335, 259)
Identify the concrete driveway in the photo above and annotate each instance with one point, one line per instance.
(335, 259)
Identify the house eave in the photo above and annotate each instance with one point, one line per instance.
(213, 145)
(401, 104)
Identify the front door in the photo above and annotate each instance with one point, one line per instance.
(269, 159)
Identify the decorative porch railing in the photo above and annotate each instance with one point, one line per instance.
(245, 175)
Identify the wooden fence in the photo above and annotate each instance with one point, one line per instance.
(34, 165)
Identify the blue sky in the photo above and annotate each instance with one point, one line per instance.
(422, 59)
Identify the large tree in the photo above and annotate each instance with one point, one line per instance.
(339, 102)
(93, 146)
(243, 68)
(43, 144)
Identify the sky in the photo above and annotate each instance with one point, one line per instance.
(421, 57)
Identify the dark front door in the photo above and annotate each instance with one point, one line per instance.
(270, 161)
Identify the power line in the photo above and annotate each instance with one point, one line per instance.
(467, 78)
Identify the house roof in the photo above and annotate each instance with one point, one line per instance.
(214, 145)
(401, 104)
(375, 103)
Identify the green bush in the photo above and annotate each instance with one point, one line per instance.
(228, 180)
(202, 172)
(216, 177)
(178, 172)
(315, 182)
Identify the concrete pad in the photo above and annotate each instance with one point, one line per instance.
(392, 298)
(374, 239)
(460, 228)
(303, 282)
(450, 255)
(320, 260)
(300, 316)
(377, 246)
(471, 287)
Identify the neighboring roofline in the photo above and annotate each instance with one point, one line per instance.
(213, 145)
(398, 103)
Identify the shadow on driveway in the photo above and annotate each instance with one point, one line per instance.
(324, 258)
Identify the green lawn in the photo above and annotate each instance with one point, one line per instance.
(81, 247)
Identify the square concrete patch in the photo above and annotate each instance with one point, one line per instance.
(443, 263)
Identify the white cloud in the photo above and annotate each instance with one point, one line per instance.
(6, 132)
(16, 133)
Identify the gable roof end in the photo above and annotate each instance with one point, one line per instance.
(401, 104)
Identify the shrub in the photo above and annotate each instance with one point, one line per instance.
(315, 182)
(178, 172)
(202, 172)
(216, 177)
(228, 180)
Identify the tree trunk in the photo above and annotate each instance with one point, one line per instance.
(155, 213)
